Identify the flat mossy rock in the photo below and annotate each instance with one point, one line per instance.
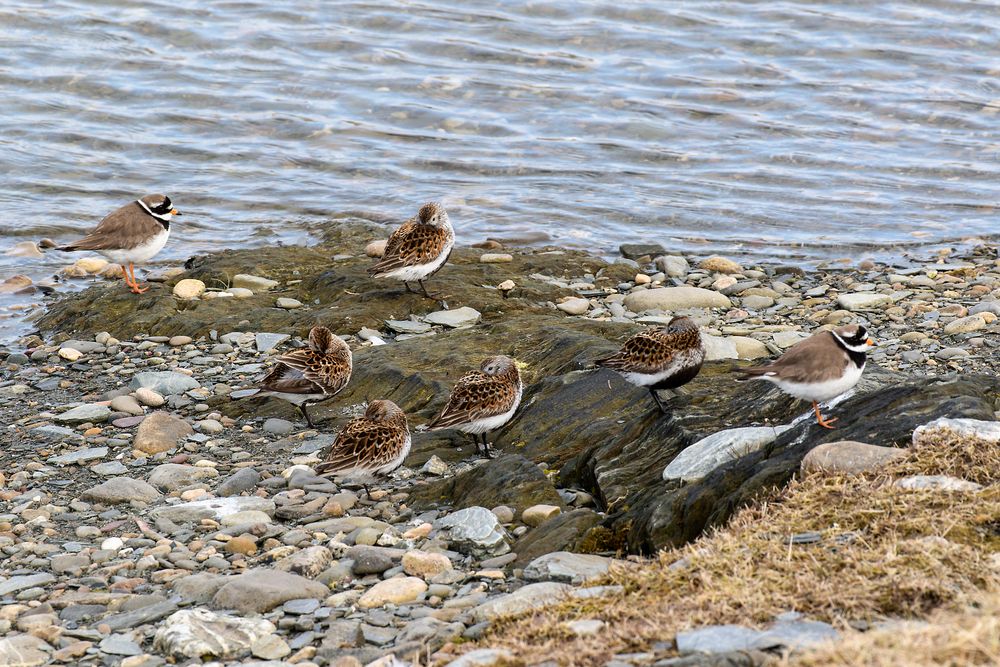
(510, 480)
(337, 292)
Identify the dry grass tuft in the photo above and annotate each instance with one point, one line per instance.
(967, 637)
(883, 553)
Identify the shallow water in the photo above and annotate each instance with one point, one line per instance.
(805, 130)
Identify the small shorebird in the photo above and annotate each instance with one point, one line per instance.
(310, 375)
(821, 367)
(131, 235)
(482, 401)
(418, 249)
(661, 358)
(375, 444)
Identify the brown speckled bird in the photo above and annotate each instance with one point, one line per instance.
(418, 249)
(310, 375)
(482, 401)
(376, 443)
(661, 358)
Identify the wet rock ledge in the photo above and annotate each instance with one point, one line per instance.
(142, 504)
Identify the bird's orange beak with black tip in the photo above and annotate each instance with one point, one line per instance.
(174, 211)
(870, 342)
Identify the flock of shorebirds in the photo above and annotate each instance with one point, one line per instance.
(818, 369)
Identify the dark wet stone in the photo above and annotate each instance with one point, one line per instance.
(510, 480)
(566, 532)
(372, 560)
(148, 614)
(637, 250)
(241, 481)
(77, 613)
(662, 518)
(352, 299)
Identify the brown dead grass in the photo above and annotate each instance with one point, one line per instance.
(962, 638)
(885, 553)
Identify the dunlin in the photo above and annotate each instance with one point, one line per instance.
(418, 249)
(660, 358)
(310, 375)
(374, 444)
(482, 401)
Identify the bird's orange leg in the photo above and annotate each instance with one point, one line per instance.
(136, 287)
(820, 419)
(128, 282)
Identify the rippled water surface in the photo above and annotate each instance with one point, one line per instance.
(801, 129)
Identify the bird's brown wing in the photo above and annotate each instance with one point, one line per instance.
(126, 227)
(397, 237)
(291, 375)
(410, 245)
(475, 396)
(363, 445)
(806, 362)
(646, 352)
(288, 380)
(309, 372)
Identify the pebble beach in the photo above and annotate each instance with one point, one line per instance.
(145, 520)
